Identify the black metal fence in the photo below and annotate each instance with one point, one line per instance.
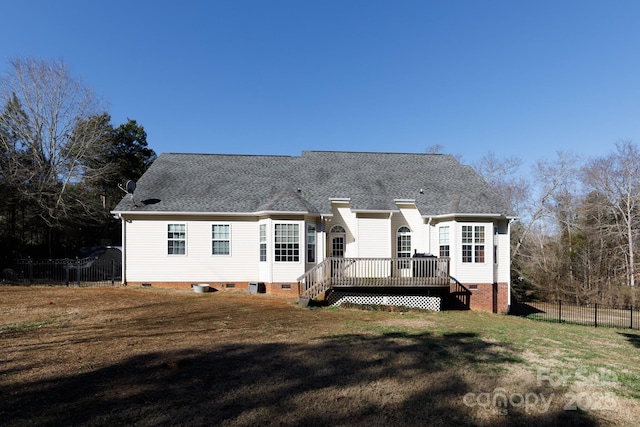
(597, 315)
(66, 272)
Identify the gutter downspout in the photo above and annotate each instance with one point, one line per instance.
(123, 279)
(429, 235)
(323, 230)
(391, 236)
(511, 220)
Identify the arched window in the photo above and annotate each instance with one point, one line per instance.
(337, 229)
(403, 246)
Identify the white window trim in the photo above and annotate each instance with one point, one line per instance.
(186, 246)
(301, 246)
(399, 234)
(441, 243)
(314, 234)
(221, 240)
(264, 242)
(338, 229)
(473, 243)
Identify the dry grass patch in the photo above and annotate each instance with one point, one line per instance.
(114, 356)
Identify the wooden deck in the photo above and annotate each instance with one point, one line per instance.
(372, 282)
(374, 272)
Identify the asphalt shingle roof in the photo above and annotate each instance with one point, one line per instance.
(251, 183)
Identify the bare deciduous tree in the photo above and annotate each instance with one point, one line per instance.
(616, 177)
(44, 151)
(552, 179)
(505, 176)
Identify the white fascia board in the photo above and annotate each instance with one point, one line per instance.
(119, 214)
(374, 211)
(179, 213)
(467, 215)
(284, 213)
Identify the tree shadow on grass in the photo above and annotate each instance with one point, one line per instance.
(632, 338)
(523, 309)
(354, 379)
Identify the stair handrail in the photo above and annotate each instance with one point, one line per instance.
(318, 275)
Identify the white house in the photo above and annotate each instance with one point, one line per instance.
(238, 221)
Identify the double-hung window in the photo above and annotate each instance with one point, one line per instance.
(176, 239)
(220, 239)
(263, 242)
(286, 243)
(311, 243)
(473, 243)
(444, 241)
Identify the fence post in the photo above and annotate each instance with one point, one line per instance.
(113, 272)
(30, 271)
(66, 272)
(78, 271)
(559, 311)
(631, 316)
(595, 315)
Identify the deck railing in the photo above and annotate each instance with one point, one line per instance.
(460, 296)
(374, 272)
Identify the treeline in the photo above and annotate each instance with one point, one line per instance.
(61, 160)
(576, 238)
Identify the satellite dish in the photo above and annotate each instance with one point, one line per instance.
(130, 186)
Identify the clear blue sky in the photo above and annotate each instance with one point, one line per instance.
(518, 78)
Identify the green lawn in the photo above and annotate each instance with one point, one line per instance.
(148, 357)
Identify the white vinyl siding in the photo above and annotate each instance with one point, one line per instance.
(347, 218)
(478, 244)
(147, 259)
(463, 270)
(265, 255)
(374, 239)
(410, 216)
(503, 252)
(287, 271)
(374, 235)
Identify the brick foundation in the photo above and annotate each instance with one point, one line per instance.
(481, 299)
(286, 289)
(492, 297)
